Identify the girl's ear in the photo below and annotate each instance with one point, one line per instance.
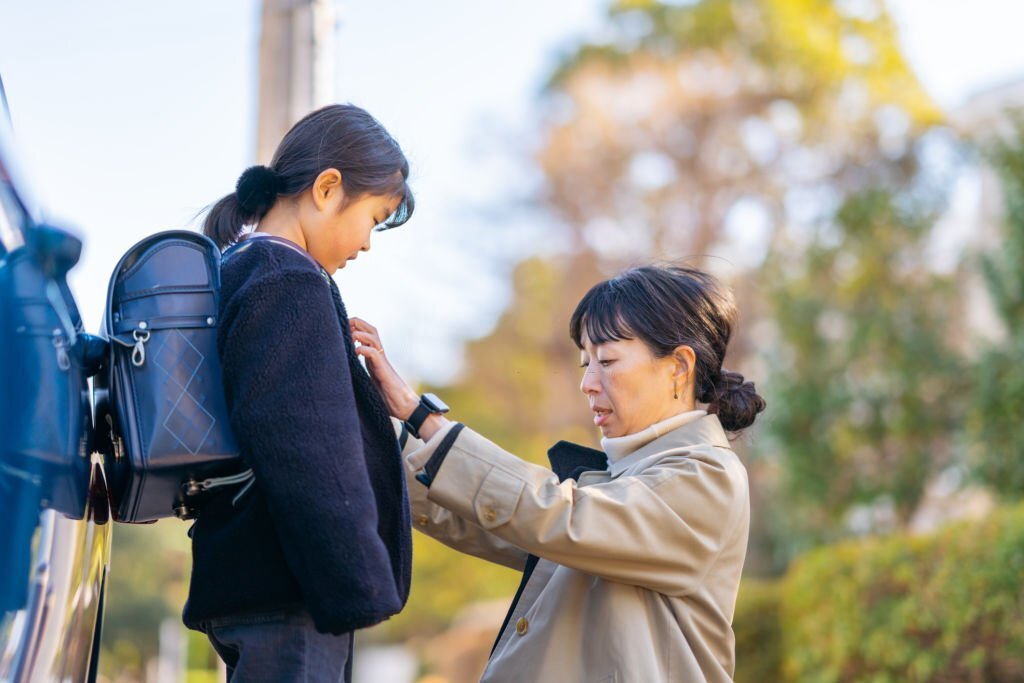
(686, 361)
(327, 188)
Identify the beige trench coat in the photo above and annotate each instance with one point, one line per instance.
(640, 565)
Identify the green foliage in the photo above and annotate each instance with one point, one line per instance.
(147, 583)
(810, 48)
(200, 654)
(996, 426)
(865, 387)
(443, 583)
(942, 608)
(758, 632)
(202, 676)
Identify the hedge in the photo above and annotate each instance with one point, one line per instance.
(758, 634)
(938, 609)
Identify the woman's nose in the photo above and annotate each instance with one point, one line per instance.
(589, 384)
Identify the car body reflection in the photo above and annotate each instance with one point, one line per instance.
(55, 526)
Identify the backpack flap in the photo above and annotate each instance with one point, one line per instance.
(163, 400)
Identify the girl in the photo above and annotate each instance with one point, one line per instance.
(318, 546)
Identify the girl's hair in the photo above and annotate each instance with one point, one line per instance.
(671, 306)
(340, 136)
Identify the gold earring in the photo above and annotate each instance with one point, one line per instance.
(675, 390)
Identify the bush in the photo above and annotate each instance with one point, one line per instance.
(758, 636)
(942, 608)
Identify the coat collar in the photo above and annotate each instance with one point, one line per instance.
(568, 458)
(706, 430)
(621, 446)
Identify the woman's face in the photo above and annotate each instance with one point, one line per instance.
(628, 388)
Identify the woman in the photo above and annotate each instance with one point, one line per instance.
(285, 570)
(631, 556)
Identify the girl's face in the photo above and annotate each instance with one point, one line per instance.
(629, 388)
(337, 228)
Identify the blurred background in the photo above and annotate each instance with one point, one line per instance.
(854, 169)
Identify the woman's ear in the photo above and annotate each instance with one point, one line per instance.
(327, 188)
(686, 361)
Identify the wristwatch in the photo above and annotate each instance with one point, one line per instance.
(430, 404)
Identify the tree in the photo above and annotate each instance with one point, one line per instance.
(997, 405)
(866, 383)
(711, 126)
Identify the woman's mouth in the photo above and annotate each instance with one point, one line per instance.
(601, 416)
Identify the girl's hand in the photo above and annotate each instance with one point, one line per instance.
(399, 396)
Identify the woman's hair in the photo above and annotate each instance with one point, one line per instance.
(339, 136)
(667, 307)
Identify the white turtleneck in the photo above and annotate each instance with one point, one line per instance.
(619, 447)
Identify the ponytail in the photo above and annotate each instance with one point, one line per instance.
(254, 195)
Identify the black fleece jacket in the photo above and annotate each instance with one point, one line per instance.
(326, 524)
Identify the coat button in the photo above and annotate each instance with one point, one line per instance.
(522, 626)
(422, 520)
(491, 515)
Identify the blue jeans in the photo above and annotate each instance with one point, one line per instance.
(279, 647)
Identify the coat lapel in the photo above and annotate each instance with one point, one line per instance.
(569, 460)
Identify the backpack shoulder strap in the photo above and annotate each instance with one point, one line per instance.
(249, 239)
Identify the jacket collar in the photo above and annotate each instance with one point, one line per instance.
(568, 459)
(619, 447)
(706, 430)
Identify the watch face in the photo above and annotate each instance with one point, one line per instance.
(434, 404)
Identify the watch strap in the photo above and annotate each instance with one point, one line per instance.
(415, 421)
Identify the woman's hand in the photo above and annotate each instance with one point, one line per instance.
(399, 396)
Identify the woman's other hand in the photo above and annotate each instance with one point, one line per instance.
(398, 395)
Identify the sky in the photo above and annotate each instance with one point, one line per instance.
(131, 117)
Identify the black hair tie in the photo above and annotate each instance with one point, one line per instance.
(257, 190)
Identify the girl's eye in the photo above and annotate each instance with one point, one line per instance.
(605, 363)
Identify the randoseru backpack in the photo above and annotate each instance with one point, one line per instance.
(161, 414)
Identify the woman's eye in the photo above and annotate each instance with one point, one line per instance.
(605, 363)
